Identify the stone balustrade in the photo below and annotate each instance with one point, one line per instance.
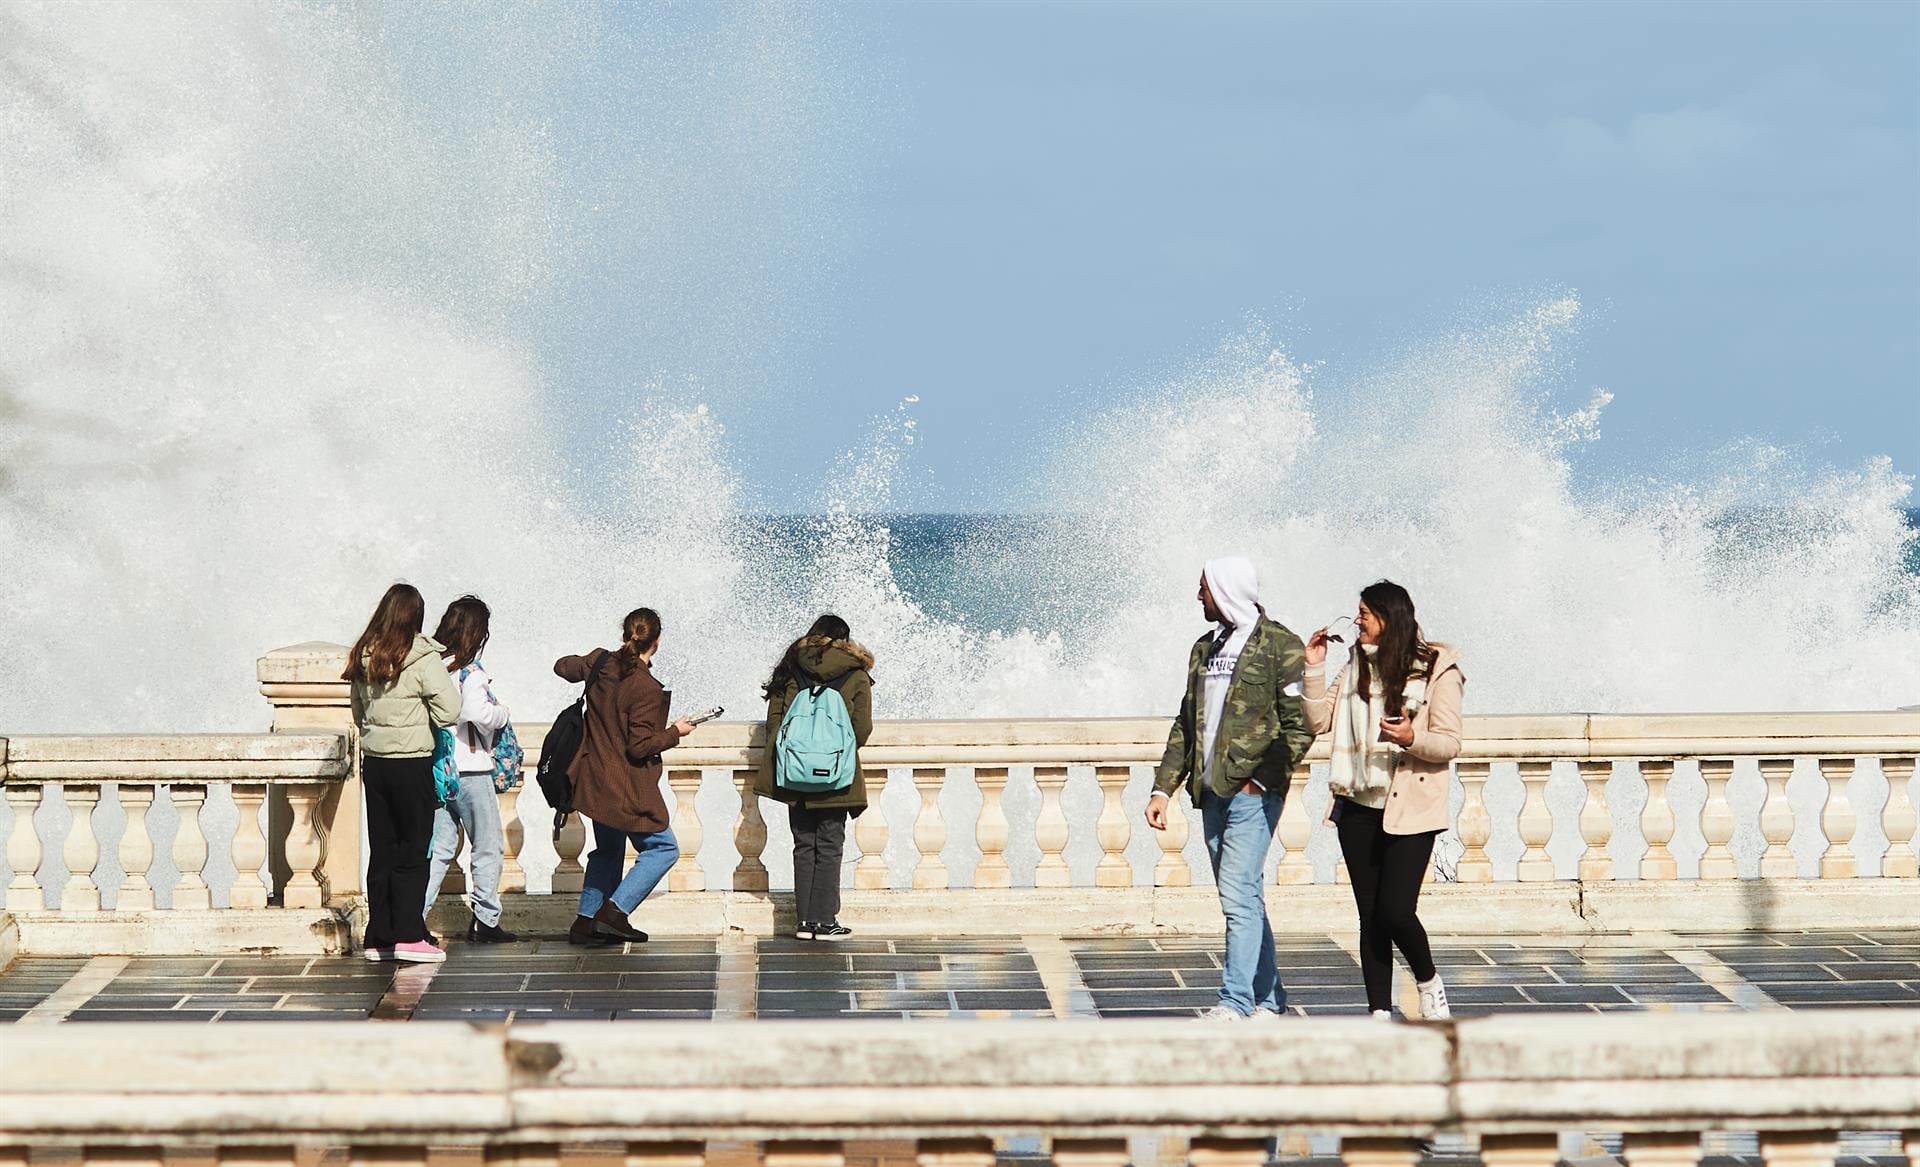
(1509, 1087)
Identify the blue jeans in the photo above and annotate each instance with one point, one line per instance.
(476, 809)
(656, 852)
(1238, 831)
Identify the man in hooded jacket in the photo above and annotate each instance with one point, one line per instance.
(1240, 731)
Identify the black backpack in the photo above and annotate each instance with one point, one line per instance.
(569, 729)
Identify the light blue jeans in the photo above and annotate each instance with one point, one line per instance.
(654, 854)
(1238, 831)
(476, 809)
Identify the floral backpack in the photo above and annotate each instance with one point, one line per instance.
(507, 754)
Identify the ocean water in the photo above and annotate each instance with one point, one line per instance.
(249, 260)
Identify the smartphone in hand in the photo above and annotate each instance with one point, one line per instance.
(1395, 722)
(709, 715)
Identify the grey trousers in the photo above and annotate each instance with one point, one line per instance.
(819, 838)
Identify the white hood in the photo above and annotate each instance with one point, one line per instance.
(1236, 592)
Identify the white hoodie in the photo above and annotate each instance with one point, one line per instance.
(481, 717)
(1236, 593)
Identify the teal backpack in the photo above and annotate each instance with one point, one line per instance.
(814, 750)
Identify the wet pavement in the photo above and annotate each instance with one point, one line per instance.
(1007, 976)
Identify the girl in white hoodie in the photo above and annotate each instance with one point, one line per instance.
(475, 807)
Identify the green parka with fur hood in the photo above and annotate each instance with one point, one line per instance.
(397, 720)
(838, 664)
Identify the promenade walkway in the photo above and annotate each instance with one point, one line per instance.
(974, 977)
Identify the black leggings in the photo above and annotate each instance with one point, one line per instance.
(400, 805)
(1386, 871)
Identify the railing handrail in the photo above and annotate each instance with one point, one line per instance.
(457, 1084)
(169, 758)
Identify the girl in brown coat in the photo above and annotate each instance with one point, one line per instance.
(1394, 711)
(616, 779)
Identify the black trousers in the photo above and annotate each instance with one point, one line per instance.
(1386, 871)
(819, 839)
(400, 806)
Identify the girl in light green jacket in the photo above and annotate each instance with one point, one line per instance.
(400, 691)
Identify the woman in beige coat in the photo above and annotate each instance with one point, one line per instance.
(1394, 712)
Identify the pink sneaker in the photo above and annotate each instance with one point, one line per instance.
(418, 952)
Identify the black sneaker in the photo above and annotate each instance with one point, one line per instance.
(831, 930)
(803, 931)
(479, 933)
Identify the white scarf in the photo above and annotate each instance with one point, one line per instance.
(1362, 765)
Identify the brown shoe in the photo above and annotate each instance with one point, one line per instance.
(584, 932)
(610, 923)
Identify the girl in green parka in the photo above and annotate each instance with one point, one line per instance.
(824, 656)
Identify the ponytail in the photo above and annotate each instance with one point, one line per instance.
(639, 632)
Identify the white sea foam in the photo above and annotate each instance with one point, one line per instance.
(237, 383)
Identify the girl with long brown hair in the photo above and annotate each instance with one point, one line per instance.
(1395, 715)
(474, 807)
(616, 778)
(399, 691)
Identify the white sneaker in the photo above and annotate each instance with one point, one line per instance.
(1381, 1015)
(1222, 1013)
(1433, 1000)
(1265, 1014)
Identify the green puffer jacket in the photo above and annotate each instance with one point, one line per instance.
(397, 720)
(1263, 725)
(845, 666)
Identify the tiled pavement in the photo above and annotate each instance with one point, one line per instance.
(1032, 977)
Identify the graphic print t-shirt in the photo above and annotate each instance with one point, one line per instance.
(1215, 679)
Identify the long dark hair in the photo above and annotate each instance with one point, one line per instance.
(1402, 651)
(638, 632)
(829, 626)
(396, 621)
(463, 630)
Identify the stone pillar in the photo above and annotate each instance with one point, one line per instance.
(1596, 821)
(1837, 821)
(929, 829)
(1898, 818)
(1112, 828)
(190, 848)
(1716, 820)
(136, 849)
(1536, 823)
(1295, 832)
(306, 847)
(686, 874)
(1172, 869)
(23, 848)
(302, 682)
(991, 830)
(1475, 825)
(750, 837)
(1776, 821)
(1656, 820)
(870, 832)
(1050, 829)
(513, 834)
(249, 847)
(82, 850)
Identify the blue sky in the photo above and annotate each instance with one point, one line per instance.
(1020, 211)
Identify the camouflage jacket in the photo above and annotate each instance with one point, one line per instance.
(1263, 726)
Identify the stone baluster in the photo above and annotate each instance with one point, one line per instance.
(1380, 1152)
(513, 829)
(976, 1152)
(1596, 821)
(1536, 823)
(686, 874)
(929, 829)
(1898, 818)
(1716, 821)
(1050, 829)
(990, 832)
(1530, 1150)
(249, 847)
(1661, 1149)
(804, 1153)
(190, 848)
(569, 876)
(870, 832)
(1798, 1148)
(1172, 869)
(675, 1154)
(1776, 821)
(1475, 825)
(1215, 1152)
(1656, 820)
(23, 849)
(306, 847)
(82, 850)
(1113, 829)
(1091, 1153)
(1295, 832)
(136, 849)
(750, 836)
(1837, 820)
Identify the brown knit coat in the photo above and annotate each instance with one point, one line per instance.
(616, 774)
